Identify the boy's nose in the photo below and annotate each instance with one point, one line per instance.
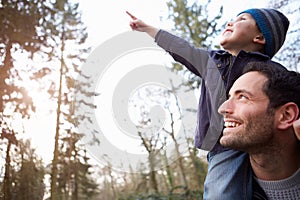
(230, 23)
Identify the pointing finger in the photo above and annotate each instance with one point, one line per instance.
(133, 17)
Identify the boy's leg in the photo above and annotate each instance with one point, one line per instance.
(228, 177)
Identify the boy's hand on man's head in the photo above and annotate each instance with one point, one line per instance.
(296, 126)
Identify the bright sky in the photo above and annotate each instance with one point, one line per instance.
(105, 20)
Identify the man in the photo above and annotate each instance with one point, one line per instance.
(259, 114)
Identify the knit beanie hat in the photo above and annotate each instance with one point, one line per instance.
(273, 25)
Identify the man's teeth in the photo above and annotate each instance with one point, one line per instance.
(231, 124)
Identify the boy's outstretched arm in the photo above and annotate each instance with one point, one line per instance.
(138, 25)
(296, 125)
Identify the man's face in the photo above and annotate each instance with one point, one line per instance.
(248, 125)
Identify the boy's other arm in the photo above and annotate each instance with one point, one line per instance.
(138, 25)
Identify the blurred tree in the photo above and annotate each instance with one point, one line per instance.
(28, 176)
(72, 97)
(53, 30)
(21, 31)
(74, 175)
(193, 22)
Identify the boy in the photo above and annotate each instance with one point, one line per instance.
(255, 35)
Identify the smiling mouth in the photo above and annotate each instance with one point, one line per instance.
(231, 124)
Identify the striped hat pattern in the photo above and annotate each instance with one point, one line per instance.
(273, 25)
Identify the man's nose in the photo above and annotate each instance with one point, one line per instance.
(225, 108)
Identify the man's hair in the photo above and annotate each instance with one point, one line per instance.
(282, 86)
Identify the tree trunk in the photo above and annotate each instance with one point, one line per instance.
(7, 181)
(180, 161)
(54, 172)
(151, 159)
(153, 180)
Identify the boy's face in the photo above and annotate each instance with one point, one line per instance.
(240, 33)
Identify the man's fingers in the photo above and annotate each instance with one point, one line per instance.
(132, 17)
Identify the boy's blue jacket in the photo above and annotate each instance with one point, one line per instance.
(218, 70)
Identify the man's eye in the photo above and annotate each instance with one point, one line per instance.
(243, 97)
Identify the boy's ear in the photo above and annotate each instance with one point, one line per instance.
(260, 39)
(286, 115)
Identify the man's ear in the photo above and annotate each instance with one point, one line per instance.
(286, 115)
(260, 39)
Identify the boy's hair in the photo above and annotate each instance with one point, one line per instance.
(273, 25)
(282, 86)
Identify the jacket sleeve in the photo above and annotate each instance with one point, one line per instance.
(193, 58)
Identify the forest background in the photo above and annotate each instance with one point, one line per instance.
(46, 96)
